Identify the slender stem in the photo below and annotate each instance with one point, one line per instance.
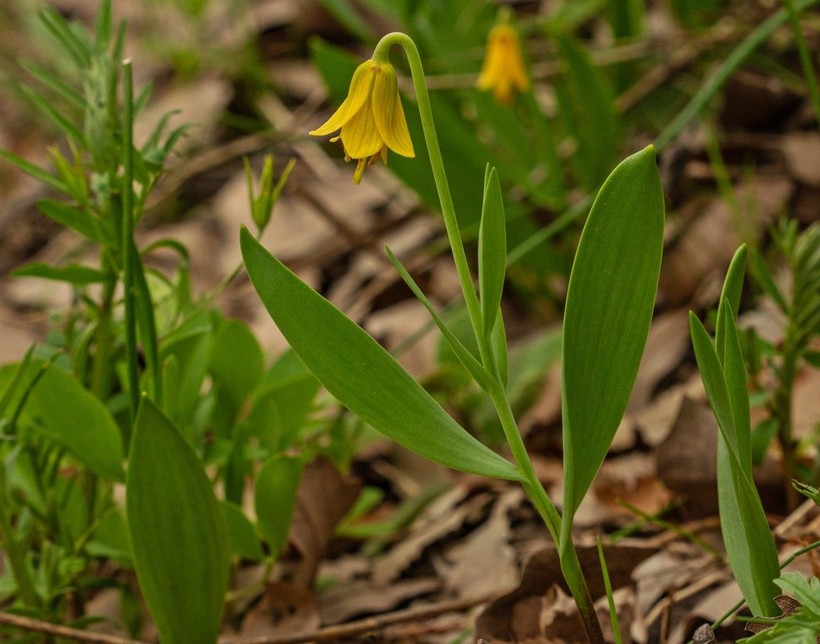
(102, 364)
(380, 54)
(127, 245)
(805, 58)
(15, 555)
(570, 564)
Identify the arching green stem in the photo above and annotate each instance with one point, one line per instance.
(570, 564)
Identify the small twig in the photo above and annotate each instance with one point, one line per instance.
(368, 624)
(38, 626)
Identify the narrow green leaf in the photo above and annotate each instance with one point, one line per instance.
(586, 105)
(178, 535)
(49, 111)
(72, 44)
(55, 83)
(734, 371)
(360, 373)
(492, 252)
(102, 30)
(241, 534)
(608, 312)
(468, 361)
(498, 345)
(72, 273)
(714, 383)
(732, 288)
(70, 415)
(275, 497)
(347, 15)
(72, 217)
(749, 544)
(43, 176)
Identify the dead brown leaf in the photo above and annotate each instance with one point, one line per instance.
(285, 609)
(362, 597)
(324, 497)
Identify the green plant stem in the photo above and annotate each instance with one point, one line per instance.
(14, 553)
(613, 611)
(726, 69)
(127, 245)
(380, 55)
(570, 565)
(783, 412)
(102, 367)
(805, 58)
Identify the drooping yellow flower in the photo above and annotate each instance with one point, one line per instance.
(371, 118)
(503, 69)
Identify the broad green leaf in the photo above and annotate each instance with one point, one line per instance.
(236, 360)
(492, 253)
(609, 306)
(361, 374)
(178, 535)
(72, 273)
(70, 415)
(241, 533)
(282, 402)
(111, 539)
(463, 354)
(275, 497)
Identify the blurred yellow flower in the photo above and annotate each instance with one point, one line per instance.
(503, 69)
(371, 118)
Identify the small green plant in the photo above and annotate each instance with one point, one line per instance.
(799, 624)
(799, 303)
(140, 383)
(749, 543)
(609, 308)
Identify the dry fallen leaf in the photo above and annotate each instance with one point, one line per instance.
(324, 497)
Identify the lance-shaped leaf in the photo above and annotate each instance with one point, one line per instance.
(749, 544)
(364, 377)
(492, 252)
(608, 312)
(179, 540)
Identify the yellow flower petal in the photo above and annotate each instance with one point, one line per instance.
(389, 113)
(360, 136)
(503, 67)
(360, 88)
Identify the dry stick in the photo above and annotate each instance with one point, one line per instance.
(38, 626)
(369, 623)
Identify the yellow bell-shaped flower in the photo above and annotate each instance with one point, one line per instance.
(371, 118)
(503, 69)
